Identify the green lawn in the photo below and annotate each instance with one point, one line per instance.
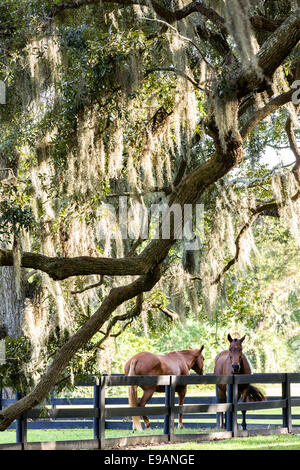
(37, 435)
(273, 442)
(80, 434)
(40, 435)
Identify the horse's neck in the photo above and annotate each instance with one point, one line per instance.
(189, 357)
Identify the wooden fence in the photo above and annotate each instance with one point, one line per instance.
(101, 413)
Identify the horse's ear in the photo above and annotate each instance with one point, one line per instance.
(242, 339)
(229, 338)
(202, 347)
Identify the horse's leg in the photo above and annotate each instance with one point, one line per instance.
(144, 400)
(181, 396)
(242, 393)
(244, 424)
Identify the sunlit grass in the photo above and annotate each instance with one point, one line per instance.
(41, 435)
(272, 442)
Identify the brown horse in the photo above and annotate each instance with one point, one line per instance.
(173, 363)
(233, 361)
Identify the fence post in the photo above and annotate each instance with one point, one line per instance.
(229, 413)
(21, 426)
(1, 396)
(52, 399)
(287, 411)
(96, 420)
(167, 404)
(172, 404)
(235, 429)
(219, 414)
(102, 411)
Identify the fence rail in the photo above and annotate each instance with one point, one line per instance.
(166, 408)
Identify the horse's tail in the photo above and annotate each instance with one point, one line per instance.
(133, 398)
(254, 394)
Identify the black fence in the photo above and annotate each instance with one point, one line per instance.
(108, 413)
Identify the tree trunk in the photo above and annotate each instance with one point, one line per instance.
(11, 305)
(12, 308)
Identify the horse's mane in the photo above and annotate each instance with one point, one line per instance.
(182, 351)
(247, 363)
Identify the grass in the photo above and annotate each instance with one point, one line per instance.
(41, 435)
(272, 442)
(81, 434)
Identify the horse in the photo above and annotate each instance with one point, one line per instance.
(233, 361)
(173, 363)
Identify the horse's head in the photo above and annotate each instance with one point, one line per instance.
(199, 363)
(235, 353)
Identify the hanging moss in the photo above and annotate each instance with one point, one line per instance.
(233, 212)
(238, 24)
(285, 187)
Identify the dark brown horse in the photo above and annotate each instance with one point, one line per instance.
(173, 363)
(233, 361)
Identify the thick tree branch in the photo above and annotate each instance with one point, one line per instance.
(264, 112)
(293, 143)
(261, 23)
(271, 55)
(62, 268)
(168, 15)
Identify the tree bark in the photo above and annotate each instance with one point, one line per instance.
(12, 306)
